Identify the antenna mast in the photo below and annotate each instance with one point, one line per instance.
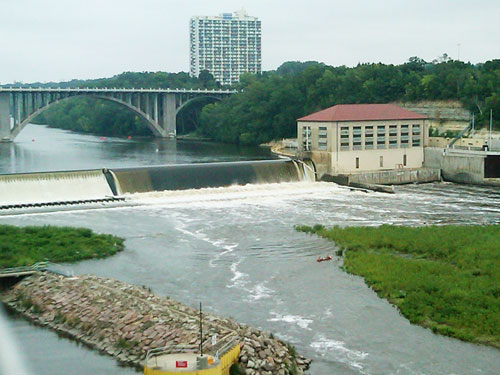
(201, 333)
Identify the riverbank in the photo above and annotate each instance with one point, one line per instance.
(126, 321)
(24, 246)
(445, 278)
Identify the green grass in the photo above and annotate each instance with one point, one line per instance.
(446, 278)
(24, 246)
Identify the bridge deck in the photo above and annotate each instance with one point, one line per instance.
(114, 89)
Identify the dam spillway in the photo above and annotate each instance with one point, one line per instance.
(50, 187)
(207, 175)
(67, 187)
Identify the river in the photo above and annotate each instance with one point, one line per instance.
(235, 250)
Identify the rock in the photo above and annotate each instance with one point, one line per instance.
(267, 366)
(99, 312)
(249, 350)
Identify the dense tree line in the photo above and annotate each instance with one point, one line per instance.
(268, 105)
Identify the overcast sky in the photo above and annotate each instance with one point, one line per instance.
(55, 40)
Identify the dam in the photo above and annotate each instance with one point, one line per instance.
(105, 185)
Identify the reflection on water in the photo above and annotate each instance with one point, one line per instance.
(38, 148)
(44, 352)
(11, 360)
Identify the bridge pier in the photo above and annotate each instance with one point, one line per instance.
(170, 113)
(5, 117)
(158, 107)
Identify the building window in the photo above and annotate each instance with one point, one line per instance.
(381, 162)
(393, 136)
(404, 160)
(404, 136)
(322, 138)
(368, 137)
(344, 138)
(306, 138)
(356, 138)
(381, 136)
(415, 135)
(357, 163)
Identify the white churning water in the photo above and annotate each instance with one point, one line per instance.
(53, 187)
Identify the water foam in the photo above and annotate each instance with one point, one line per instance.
(276, 195)
(338, 351)
(293, 319)
(241, 281)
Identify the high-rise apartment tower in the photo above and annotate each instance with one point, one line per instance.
(226, 45)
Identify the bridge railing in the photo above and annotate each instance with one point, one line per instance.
(114, 89)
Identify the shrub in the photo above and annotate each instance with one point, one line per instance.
(442, 277)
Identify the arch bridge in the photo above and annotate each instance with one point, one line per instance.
(159, 107)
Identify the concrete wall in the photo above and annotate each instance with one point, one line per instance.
(463, 168)
(369, 160)
(433, 157)
(457, 165)
(397, 177)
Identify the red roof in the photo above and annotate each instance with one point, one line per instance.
(363, 112)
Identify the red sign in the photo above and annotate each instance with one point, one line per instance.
(181, 364)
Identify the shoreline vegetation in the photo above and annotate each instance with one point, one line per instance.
(24, 246)
(446, 278)
(267, 105)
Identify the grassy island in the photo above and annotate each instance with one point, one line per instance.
(23, 246)
(446, 278)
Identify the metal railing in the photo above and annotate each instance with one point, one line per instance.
(40, 266)
(37, 267)
(172, 349)
(227, 346)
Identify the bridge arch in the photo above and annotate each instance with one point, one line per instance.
(158, 107)
(198, 98)
(188, 114)
(151, 125)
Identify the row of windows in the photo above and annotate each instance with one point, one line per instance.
(223, 38)
(381, 138)
(226, 24)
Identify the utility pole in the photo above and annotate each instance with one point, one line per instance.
(201, 333)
